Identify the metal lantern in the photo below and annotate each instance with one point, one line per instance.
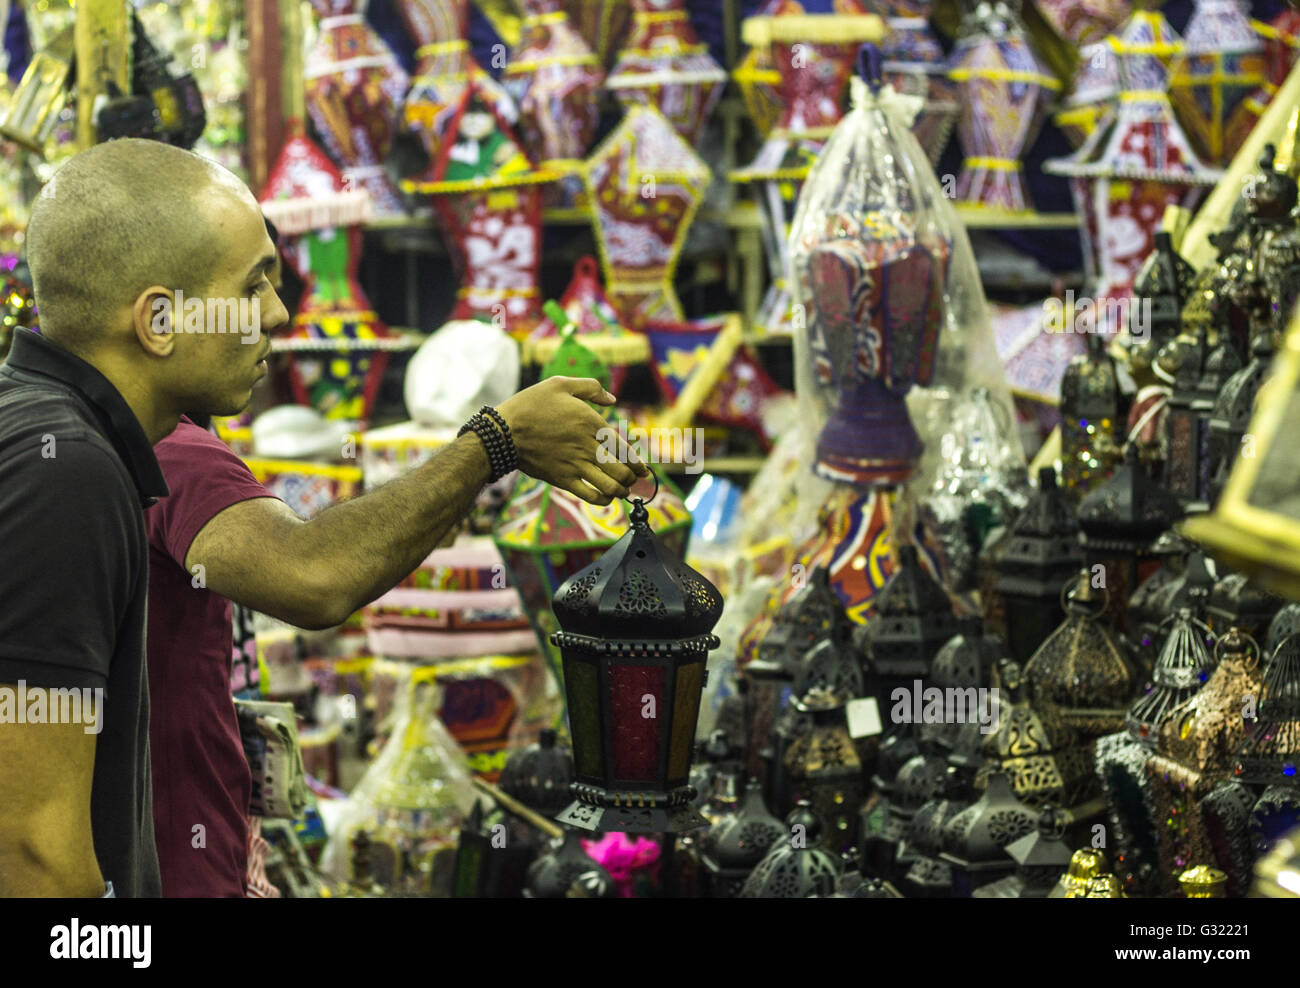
(1271, 753)
(1039, 858)
(797, 866)
(486, 867)
(1225, 814)
(1090, 418)
(1085, 864)
(1040, 556)
(539, 775)
(929, 876)
(35, 106)
(1196, 749)
(1040, 754)
(1153, 611)
(1119, 522)
(974, 840)
(566, 865)
(636, 632)
(914, 617)
(733, 846)
(1203, 882)
(1222, 363)
(823, 767)
(1274, 814)
(1182, 668)
(831, 664)
(966, 661)
(1236, 602)
(1120, 763)
(882, 828)
(1081, 667)
(1232, 411)
(1279, 262)
(920, 781)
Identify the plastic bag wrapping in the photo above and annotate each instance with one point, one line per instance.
(411, 800)
(911, 319)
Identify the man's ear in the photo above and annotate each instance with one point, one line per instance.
(155, 321)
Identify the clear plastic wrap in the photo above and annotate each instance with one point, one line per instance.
(896, 328)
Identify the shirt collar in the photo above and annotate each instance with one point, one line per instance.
(36, 355)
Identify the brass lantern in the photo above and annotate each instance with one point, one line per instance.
(36, 103)
(1085, 864)
(636, 632)
(1256, 526)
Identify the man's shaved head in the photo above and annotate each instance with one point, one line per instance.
(114, 220)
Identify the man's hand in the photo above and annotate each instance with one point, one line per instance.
(555, 433)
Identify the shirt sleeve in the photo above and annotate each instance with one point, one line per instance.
(205, 478)
(71, 564)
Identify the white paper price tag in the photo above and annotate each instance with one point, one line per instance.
(864, 717)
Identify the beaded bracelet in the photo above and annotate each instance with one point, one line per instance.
(499, 419)
(500, 449)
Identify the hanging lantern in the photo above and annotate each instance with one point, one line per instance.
(1120, 521)
(554, 78)
(1039, 858)
(663, 64)
(1081, 667)
(1152, 613)
(645, 183)
(354, 89)
(635, 634)
(797, 867)
(812, 48)
(914, 617)
(1085, 865)
(1182, 668)
(337, 341)
(1005, 91)
(1213, 79)
(733, 846)
(1040, 556)
(974, 840)
(757, 78)
(823, 768)
(1090, 419)
(1196, 749)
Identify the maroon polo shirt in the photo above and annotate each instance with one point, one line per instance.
(201, 780)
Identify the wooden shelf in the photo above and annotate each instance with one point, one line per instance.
(991, 219)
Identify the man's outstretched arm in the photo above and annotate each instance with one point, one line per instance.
(315, 573)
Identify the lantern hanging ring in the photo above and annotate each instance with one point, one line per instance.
(1249, 639)
(642, 501)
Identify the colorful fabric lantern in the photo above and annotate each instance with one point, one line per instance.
(663, 64)
(1132, 171)
(1005, 91)
(354, 89)
(871, 273)
(1214, 78)
(486, 196)
(554, 79)
(813, 52)
(1281, 38)
(1091, 103)
(1083, 22)
(759, 81)
(645, 183)
(444, 69)
(337, 339)
(602, 23)
(915, 65)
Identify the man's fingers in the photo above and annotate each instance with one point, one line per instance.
(580, 488)
(586, 388)
(620, 473)
(599, 478)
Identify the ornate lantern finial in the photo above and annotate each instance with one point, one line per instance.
(637, 628)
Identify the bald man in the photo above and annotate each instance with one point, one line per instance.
(120, 232)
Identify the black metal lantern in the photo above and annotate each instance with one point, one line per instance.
(1119, 522)
(636, 635)
(490, 863)
(1039, 557)
(921, 780)
(1220, 365)
(797, 866)
(929, 876)
(539, 775)
(1233, 410)
(1164, 284)
(882, 828)
(1184, 665)
(555, 874)
(1182, 462)
(1040, 857)
(1091, 410)
(1225, 813)
(966, 661)
(1236, 602)
(1151, 611)
(733, 846)
(974, 840)
(913, 618)
(1270, 755)
(1279, 264)
(823, 768)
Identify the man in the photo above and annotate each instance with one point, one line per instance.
(121, 230)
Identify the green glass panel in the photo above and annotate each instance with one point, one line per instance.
(584, 717)
(686, 710)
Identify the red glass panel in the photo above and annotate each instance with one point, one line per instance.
(636, 704)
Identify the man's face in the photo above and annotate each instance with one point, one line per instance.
(223, 336)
